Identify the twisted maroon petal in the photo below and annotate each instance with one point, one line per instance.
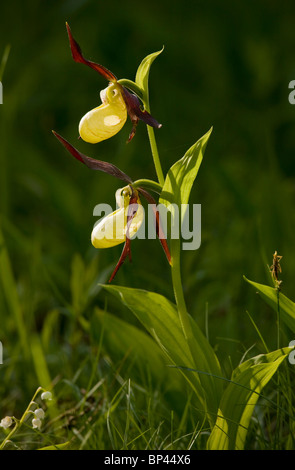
(78, 57)
(127, 245)
(159, 230)
(92, 163)
(136, 113)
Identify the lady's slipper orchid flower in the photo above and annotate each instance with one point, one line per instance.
(107, 119)
(121, 225)
(113, 229)
(132, 221)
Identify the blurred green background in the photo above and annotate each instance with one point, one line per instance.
(225, 64)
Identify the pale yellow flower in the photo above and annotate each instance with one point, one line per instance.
(107, 119)
(113, 229)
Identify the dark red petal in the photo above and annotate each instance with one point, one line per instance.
(127, 245)
(148, 119)
(78, 57)
(135, 112)
(159, 231)
(126, 252)
(133, 130)
(92, 163)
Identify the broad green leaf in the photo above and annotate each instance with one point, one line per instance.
(240, 398)
(182, 174)
(62, 446)
(160, 317)
(125, 340)
(142, 74)
(286, 306)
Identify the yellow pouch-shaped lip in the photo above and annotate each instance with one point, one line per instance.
(106, 120)
(112, 229)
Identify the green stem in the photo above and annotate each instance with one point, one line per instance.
(177, 287)
(279, 422)
(131, 86)
(278, 318)
(155, 154)
(144, 96)
(20, 422)
(153, 143)
(174, 246)
(149, 184)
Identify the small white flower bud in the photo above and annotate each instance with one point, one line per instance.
(39, 413)
(6, 422)
(46, 396)
(36, 423)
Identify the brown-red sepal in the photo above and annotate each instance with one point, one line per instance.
(132, 209)
(134, 109)
(78, 57)
(92, 163)
(159, 230)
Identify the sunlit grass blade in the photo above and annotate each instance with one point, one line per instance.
(11, 295)
(270, 296)
(40, 362)
(4, 61)
(127, 340)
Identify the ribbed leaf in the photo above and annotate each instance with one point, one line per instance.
(270, 295)
(126, 340)
(182, 174)
(160, 317)
(142, 74)
(62, 446)
(240, 398)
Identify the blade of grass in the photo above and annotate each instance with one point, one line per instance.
(258, 332)
(11, 295)
(4, 61)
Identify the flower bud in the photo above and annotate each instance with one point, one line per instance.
(46, 396)
(112, 229)
(6, 422)
(36, 423)
(39, 413)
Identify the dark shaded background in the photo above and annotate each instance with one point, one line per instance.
(225, 64)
